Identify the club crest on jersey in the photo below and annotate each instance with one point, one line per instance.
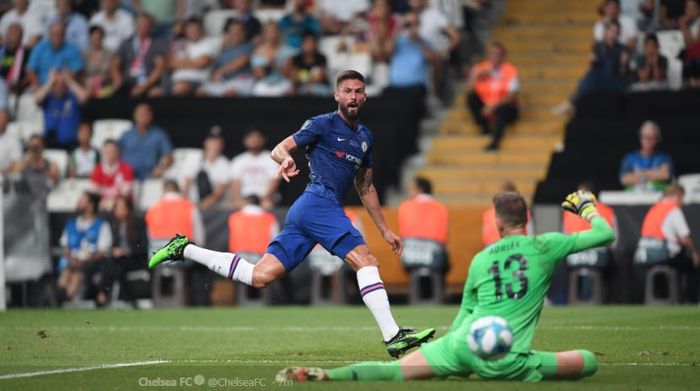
(364, 146)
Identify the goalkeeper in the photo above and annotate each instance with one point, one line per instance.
(508, 279)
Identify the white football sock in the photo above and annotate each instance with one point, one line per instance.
(375, 298)
(227, 265)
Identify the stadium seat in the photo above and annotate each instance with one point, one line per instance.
(148, 192)
(247, 296)
(183, 159)
(672, 286)
(58, 157)
(169, 287)
(691, 184)
(27, 109)
(105, 129)
(584, 275)
(436, 281)
(215, 20)
(25, 129)
(64, 197)
(269, 14)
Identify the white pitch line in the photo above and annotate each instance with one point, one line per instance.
(332, 361)
(81, 369)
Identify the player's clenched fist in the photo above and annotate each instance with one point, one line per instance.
(581, 203)
(288, 169)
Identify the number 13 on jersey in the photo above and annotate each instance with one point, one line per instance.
(514, 269)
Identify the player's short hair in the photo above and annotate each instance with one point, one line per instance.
(252, 199)
(424, 185)
(349, 75)
(171, 185)
(511, 208)
(674, 190)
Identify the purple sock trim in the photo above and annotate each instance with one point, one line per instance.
(371, 288)
(232, 268)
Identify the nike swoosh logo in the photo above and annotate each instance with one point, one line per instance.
(341, 139)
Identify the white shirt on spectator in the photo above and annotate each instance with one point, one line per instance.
(344, 10)
(217, 171)
(193, 50)
(117, 29)
(675, 227)
(31, 22)
(628, 29)
(432, 26)
(104, 238)
(85, 161)
(10, 150)
(255, 172)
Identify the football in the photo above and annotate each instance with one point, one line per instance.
(490, 337)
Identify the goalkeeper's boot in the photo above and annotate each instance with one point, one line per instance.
(173, 251)
(407, 339)
(300, 374)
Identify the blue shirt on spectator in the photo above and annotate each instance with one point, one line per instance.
(143, 151)
(45, 58)
(634, 161)
(76, 29)
(294, 30)
(62, 117)
(409, 67)
(231, 53)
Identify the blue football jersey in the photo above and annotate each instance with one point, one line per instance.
(335, 152)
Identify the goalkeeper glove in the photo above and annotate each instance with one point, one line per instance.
(581, 203)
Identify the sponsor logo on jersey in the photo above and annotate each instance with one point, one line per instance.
(348, 157)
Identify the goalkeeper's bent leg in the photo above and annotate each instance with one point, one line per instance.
(572, 364)
(367, 371)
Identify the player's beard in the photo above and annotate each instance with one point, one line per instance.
(351, 115)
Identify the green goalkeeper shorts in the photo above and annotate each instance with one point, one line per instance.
(450, 356)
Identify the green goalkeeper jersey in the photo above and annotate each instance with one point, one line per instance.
(511, 277)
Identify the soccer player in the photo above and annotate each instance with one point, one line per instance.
(508, 279)
(339, 150)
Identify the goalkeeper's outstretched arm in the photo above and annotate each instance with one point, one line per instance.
(583, 204)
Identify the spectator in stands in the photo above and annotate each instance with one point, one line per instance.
(609, 12)
(342, 16)
(666, 228)
(308, 69)
(299, 21)
(191, 63)
(28, 18)
(410, 57)
(647, 169)
(61, 99)
(424, 218)
(253, 172)
(251, 228)
(690, 27)
(84, 158)
(651, 66)
(210, 177)
(129, 249)
(117, 24)
(140, 63)
(383, 29)
(13, 59)
(165, 13)
(269, 61)
(146, 147)
(86, 241)
(669, 13)
(492, 94)
(489, 228)
(10, 146)
(76, 24)
(34, 164)
(113, 177)
(252, 25)
(173, 214)
(231, 73)
(98, 61)
(53, 54)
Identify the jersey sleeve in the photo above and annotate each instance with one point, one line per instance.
(308, 134)
(560, 245)
(367, 161)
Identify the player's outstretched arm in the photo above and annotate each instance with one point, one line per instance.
(370, 200)
(583, 204)
(282, 154)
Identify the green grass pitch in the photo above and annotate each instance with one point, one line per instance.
(639, 348)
